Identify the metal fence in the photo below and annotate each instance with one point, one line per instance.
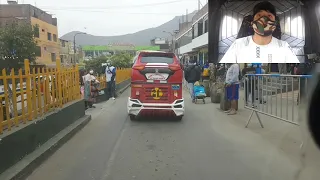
(35, 92)
(123, 74)
(275, 95)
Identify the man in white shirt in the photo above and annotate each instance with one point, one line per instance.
(262, 47)
(111, 78)
(232, 87)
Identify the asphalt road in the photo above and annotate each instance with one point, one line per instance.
(205, 145)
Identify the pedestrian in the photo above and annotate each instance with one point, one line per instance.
(90, 89)
(265, 45)
(192, 74)
(110, 72)
(232, 87)
(205, 71)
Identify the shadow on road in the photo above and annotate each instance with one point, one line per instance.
(153, 119)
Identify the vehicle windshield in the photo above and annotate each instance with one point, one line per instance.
(157, 58)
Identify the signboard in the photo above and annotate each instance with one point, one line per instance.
(157, 76)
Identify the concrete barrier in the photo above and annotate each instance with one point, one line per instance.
(17, 144)
(119, 89)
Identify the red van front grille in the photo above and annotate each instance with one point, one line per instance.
(156, 95)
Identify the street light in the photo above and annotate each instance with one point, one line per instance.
(74, 46)
(173, 39)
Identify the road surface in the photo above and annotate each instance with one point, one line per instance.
(206, 145)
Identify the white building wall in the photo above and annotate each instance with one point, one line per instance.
(196, 42)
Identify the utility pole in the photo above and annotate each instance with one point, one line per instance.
(74, 46)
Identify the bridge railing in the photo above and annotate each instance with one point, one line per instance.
(31, 94)
(123, 74)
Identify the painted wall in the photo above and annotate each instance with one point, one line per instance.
(50, 47)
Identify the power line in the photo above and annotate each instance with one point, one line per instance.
(93, 11)
(119, 7)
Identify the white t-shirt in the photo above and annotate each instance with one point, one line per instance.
(109, 73)
(245, 50)
(232, 76)
(88, 77)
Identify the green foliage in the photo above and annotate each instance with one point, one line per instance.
(95, 64)
(16, 44)
(121, 60)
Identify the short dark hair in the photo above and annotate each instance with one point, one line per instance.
(266, 6)
(192, 61)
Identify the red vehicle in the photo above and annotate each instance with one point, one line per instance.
(156, 85)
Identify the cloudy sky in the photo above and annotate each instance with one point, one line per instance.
(112, 17)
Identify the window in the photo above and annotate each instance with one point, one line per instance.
(38, 51)
(53, 57)
(36, 31)
(205, 26)
(63, 43)
(61, 59)
(157, 58)
(54, 37)
(195, 31)
(49, 37)
(200, 28)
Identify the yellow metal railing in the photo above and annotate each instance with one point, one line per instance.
(35, 92)
(123, 74)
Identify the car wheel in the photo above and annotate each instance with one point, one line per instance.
(132, 117)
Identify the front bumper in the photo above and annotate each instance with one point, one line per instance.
(134, 106)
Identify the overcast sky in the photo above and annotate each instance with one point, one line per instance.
(112, 17)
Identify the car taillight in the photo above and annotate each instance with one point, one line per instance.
(138, 67)
(174, 67)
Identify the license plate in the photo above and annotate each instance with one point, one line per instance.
(157, 76)
(176, 87)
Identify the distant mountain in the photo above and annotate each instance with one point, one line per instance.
(140, 38)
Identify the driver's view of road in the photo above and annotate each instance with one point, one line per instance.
(206, 144)
(161, 90)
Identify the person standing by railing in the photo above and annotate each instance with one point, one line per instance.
(232, 87)
(111, 79)
(90, 90)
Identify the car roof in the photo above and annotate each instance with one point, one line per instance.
(152, 51)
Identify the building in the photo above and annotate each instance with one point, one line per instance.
(67, 55)
(47, 30)
(164, 44)
(65, 50)
(192, 39)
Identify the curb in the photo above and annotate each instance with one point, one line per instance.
(123, 89)
(29, 163)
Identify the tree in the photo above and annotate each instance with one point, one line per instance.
(122, 60)
(16, 44)
(96, 64)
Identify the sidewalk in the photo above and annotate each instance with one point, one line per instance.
(283, 106)
(283, 136)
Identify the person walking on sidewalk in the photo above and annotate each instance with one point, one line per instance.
(232, 87)
(111, 80)
(192, 74)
